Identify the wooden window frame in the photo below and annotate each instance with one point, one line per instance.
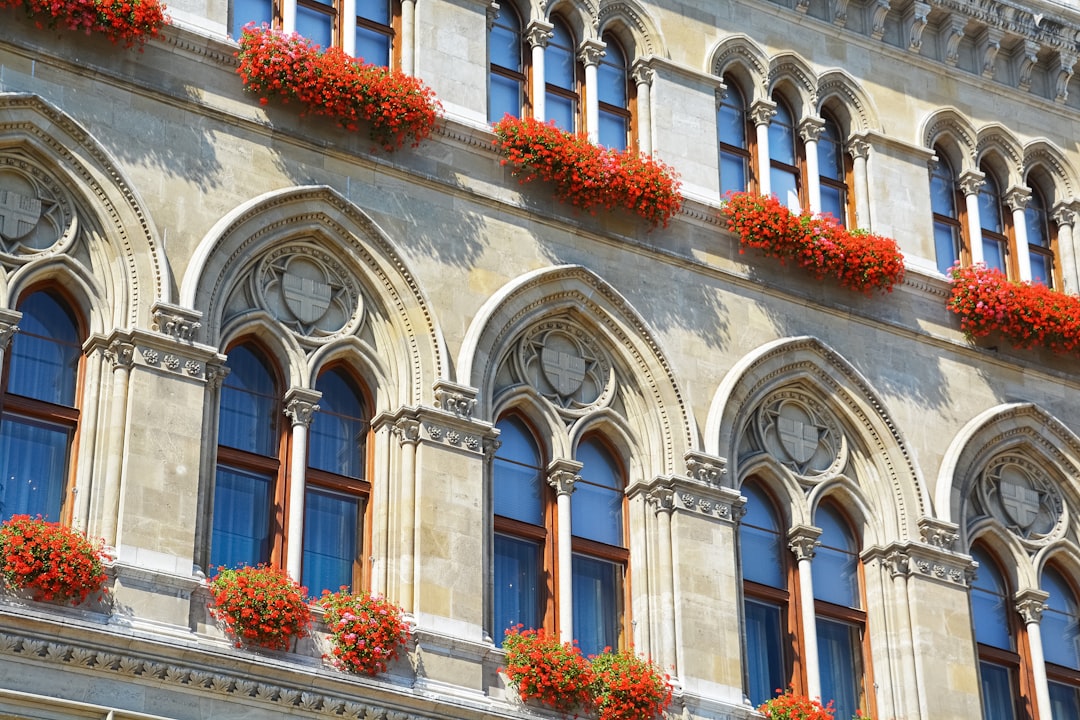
(846, 171)
(523, 77)
(798, 170)
(577, 93)
(1052, 250)
(626, 113)
(959, 222)
(1007, 237)
(749, 133)
(391, 30)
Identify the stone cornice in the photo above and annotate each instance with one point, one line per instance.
(440, 427)
(159, 353)
(689, 495)
(917, 559)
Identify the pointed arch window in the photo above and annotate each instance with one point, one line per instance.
(600, 557)
(833, 169)
(995, 220)
(40, 415)
(945, 204)
(733, 134)
(1060, 631)
(507, 83)
(613, 93)
(785, 168)
(1041, 238)
(562, 78)
(995, 634)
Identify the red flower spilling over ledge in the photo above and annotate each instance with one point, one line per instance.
(1027, 314)
(260, 606)
(399, 108)
(587, 175)
(628, 687)
(796, 707)
(131, 22)
(857, 260)
(544, 669)
(366, 631)
(50, 560)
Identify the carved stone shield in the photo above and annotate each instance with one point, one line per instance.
(19, 214)
(1020, 502)
(799, 439)
(565, 371)
(306, 298)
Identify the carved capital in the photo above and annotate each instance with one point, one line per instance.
(562, 480)
(492, 9)
(642, 73)
(1017, 198)
(858, 148)
(6, 333)
(840, 12)
(177, 322)
(407, 430)
(705, 468)
(1063, 68)
(489, 447)
(662, 499)
(590, 52)
(954, 33)
(915, 18)
(538, 33)
(881, 11)
(803, 540)
(762, 112)
(1029, 57)
(1030, 604)
(938, 533)
(458, 399)
(300, 405)
(989, 43)
(971, 182)
(1063, 214)
(215, 376)
(120, 353)
(810, 129)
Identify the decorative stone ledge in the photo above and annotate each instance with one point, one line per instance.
(675, 493)
(916, 559)
(441, 427)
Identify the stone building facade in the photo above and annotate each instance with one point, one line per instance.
(775, 479)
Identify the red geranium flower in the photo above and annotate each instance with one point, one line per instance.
(51, 560)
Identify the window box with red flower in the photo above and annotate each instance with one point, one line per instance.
(587, 175)
(365, 631)
(51, 562)
(790, 706)
(260, 606)
(131, 22)
(628, 687)
(398, 108)
(542, 668)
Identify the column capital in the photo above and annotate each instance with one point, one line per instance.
(1030, 604)
(803, 540)
(858, 147)
(1064, 214)
(538, 32)
(811, 127)
(642, 72)
(971, 181)
(590, 52)
(662, 499)
(563, 474)
(407, 430)
(120, 353)
(762, 111)
(707, 469)
(9, 325)
(301, 405)
(458, 399)
(1017, 197)
(177, 322)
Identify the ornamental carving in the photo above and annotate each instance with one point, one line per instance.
(1021, 496)
(565, 364)
(36, 215)
(307, 291)
(801, 434)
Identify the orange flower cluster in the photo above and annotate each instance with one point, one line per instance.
(544, 669)
(366, 630)
(628, 687)
(54, 562)
(260, 606)
(789, 706)
(399, 108)
(587, 175)
(131, 22)
(856, 260)
(1027, 314)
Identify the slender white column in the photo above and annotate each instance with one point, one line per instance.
(1030, 604)
(663, 500)
(761, 113)
(9, 320)
(408, 37)
(348, 26)
(1065, 218)
(860, 151)
(643, 77)
(970, 182)
(1017, 198)
(288, 17)
(810, 130)
(538, 34)
(121, 354)
(590, 53)
(562, 476)
(300, 407)
(408, 432)
(803, 539)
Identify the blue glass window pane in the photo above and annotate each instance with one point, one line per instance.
(943, 191)
(836, 565)
(517, 587)
(785, 185)
(504, 98)
(614, 130)
(990, 206)
(732, 173)
(1042, 269)
(832, 203)
(33, 466)
(559, 67)
(946, 246)
(597, 503)
(241, 531)
(990, 606)
(45, 352)
(840, 660)
(1064, 701)
(338, 430)
(1036, 224)
(562, 111)
(245, 11)
(764, 650)
(1060, 622)
(993, 253)
(611, 77)
(518, 477)
(314, 25)
(782, 137)
(596, 589)
(504, 42)
(373, 47)
(331, 540)
(998, 700)
(377, 11)
(830, 154)
(731, 119)
(760, 543)
(248, 418)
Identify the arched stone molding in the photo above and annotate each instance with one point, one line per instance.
(359, 355)
(645, 390)
(617, 431)
(1044, 154)
(118, 235)
(953, 132)
(1015, 563)
(638, 24)
(838, 85)
(998, 147)
(792, 501)
(1041, 444)
(581, 17)
(742, 58)
(889, 481)
(1063, 553)
(847, 493)
(790, 75)
(76, 279)
(283, 349)
(391, 312)
(525, 401)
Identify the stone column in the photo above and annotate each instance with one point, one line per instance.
(810, 130)
(300, 407)
(590, 53)
(408, 37)
(663, 501)
(859, 150)
(803, 539)
(970, 183)
(9, 320)
(761, 113)
(1017, 199)
(348, 24)
(643, 77)
(1065, 217)
(408, 433)
(562, 475)
(288, 17)
(898, 562)
(1030, 604)
(538, 33)
(121, 355)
